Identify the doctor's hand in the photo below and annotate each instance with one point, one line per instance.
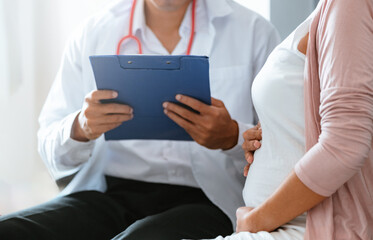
(213, 127)
(96, 118)
(251, 144)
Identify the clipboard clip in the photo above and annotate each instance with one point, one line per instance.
(153, 62)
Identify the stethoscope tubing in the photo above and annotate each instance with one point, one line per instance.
(133, 37)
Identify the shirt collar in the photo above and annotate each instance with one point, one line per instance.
(210, 8)
(139, 21)
(218, 8)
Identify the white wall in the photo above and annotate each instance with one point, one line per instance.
(286, 15)
(32, 37)
(18, 158)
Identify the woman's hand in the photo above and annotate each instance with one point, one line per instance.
(290, 200)
(251, 144)
(242, 214)
(251, 220)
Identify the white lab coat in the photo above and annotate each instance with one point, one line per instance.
(237, 41)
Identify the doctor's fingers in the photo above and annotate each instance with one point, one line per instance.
(112, 119)
(193, 103)
(182, 112)
(114, 108)
(217, 103)
(94, 110)
(188, 126)
(97, 95)
(97, 131)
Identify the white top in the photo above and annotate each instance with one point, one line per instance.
(237, 52)
(278, 99)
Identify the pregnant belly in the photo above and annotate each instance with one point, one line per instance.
(268, 171)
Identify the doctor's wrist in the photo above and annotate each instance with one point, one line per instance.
(77, 132)
(233, 132)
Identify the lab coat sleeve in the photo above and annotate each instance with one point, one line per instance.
(63, 155)
(266, 38)
(236, 153)
(344, 43)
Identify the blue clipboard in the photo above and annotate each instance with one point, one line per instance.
(145, 82)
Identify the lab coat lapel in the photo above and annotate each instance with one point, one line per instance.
(206, 29)
(203, 42)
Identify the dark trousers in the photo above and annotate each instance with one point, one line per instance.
(128, 210)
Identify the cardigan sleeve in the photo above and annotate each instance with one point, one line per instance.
(344, 43)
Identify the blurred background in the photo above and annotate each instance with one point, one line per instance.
(33, 34)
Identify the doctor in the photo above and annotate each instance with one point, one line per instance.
(149, 189)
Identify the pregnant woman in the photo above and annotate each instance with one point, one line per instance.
(278, 98)
(317, 125)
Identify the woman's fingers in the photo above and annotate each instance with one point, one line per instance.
(249, 156)
(246, 170)
(250, 146)
(253, 134)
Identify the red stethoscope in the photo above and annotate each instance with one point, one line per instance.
(133, 37)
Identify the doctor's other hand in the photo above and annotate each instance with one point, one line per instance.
(213, 127)
(96, 118)
(251, 144)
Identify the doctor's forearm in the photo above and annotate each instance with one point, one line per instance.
(290, 200)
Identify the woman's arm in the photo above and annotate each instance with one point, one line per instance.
(291, 199)
(271, 215)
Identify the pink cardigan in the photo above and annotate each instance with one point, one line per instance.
(339, 121)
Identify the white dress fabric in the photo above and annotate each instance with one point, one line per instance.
(278, 98)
